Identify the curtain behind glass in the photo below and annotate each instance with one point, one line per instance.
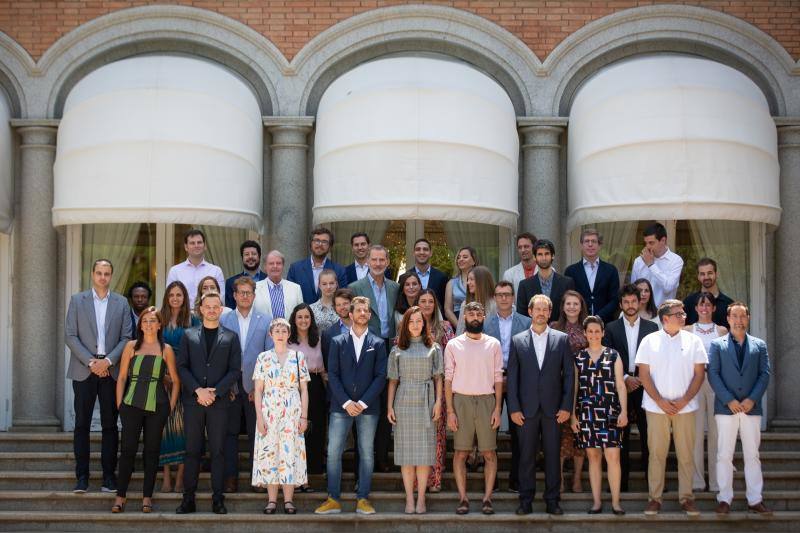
(728, 243)
(115, 242)
(620, 246)
(342, 253)
(483, 237)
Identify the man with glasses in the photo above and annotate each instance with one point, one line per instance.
(306, 271)
(672, 369)
(596, 280)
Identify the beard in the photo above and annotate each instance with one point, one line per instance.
(708, 283)
(473, 327)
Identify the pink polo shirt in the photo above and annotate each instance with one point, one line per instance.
(473, 366)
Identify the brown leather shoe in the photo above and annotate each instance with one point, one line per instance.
(724, 508)
(759, 508)
(652, 509)
(689, 508)
(231, 485)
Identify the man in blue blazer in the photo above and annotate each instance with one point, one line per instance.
(540, 398)
(252, 328)
(738, 371)
(512, 324)
(596, 280)
(356, 377)
(306, 271)
(360, 243)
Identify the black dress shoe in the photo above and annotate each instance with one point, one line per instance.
(524, 509)
(554, 509)
(219, 508)
(81, 486)
(599, 510)
(186, 507)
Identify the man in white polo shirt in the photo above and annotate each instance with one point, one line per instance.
(671, 368)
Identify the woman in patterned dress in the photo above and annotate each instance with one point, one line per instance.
(281, 398)
(324, 314)
(415, 372)
(602, 404)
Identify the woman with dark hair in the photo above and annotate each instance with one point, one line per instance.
(456, 290)
(143, 404)
(410, 286)
(647, 307)
(304, 337)
(480, 288)
(208, 284)
(176, 317)
(415, 372)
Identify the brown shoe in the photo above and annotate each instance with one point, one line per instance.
(689, 508)
(231, 485)
(652, 509)
(759, 508)
(723, 508)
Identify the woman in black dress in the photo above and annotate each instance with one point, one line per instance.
(601, 406)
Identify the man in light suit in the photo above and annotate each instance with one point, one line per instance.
(382, 294)
(596, 280)
(738, 371)
(252, 328)
(527, 262)
(97, 328)
(306, 271)
(546, 280)
(540, 398)
(503, 325)
(275, 296)
(356, 377)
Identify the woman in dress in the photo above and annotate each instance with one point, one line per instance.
(410, 286)
(305, 338)
(647, 307)
(456, 289)
(441, 331)
(324, 313)
(480, 288)
(570, 321)
(176, 317)
(601, 402)
(707, 330)
(415, 372)
(281, 398)
(143, 404)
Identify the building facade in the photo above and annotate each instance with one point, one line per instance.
(121, 127)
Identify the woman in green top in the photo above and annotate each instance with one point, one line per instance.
(143, 404)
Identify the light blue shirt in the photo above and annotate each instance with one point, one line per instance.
(316, 271)
(505, 334)
(547, 284)
(381, 304)
(100, 308)
(591, 271)
(424, 277)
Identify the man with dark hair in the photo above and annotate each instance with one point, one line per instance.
(139, 297)
(306, 271)
(195, 268)
(596, 280)
(360, 243)
(658, 264)
(250, 252)
(546, 281)
(707, 276)
(430, 277)
(341, 304)
(526, 267)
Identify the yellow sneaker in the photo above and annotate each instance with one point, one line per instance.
(364, 507)
(329, 506)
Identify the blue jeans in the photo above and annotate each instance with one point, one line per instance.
(338, 429)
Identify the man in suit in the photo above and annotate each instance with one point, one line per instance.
(250, 251)
(252, 328)
(503, 325)
(527, 262)
(98, 326)
(738, 371)
(624, 335)
(360, 243)
(306, 271)
(382, 294)
(546, 281)
(431, 277)
(356, 377)
(596, 280)
(276, 297)
(209, 363)
(540, 398)
(707, 276)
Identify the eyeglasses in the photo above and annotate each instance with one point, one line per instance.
(245, 293)
(679, 313)
(320, 241)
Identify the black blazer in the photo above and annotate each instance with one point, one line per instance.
(220, 369)
(615, 338)
(601, 301)
(350, 273)
(550, 388)
(528, 288)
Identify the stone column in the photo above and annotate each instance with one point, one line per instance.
(289, 217)
(541, 198)
(36, 348)
(786, 353)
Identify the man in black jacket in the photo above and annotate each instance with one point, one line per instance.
(596, 280)
(546, 281)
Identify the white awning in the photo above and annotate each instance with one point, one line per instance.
(671, 137)
(416, 138)
(160, 139)
(6, 167)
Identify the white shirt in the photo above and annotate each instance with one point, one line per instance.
(591, 271)
(505, 334)
(632, 335)
(540, 344)
(244, 326)
(671, 360)
(358, 342)
(361, 270)
(100, 308)
(664, 275)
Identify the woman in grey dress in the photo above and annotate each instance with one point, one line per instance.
(415, 403)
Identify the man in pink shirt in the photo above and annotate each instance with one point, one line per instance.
(473, 384)
(195, 268)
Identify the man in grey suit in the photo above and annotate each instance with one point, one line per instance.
(540, 398)
(503, 325)
(98, 326)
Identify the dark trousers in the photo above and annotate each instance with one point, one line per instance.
(383, 435)
(197, 422)
(546, 428)
(86, 392)
(635, 412)
(240, 408)
(316, 436)
(134, 420)
(513, 474)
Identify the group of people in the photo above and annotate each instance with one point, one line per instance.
(303, 360)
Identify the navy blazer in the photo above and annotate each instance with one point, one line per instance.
(602, 301)
(300, 273)
(550, 388)
(357, 381)
(729, 381)
(530, 287)
(519, 324)
(350, 273)
(220, 369)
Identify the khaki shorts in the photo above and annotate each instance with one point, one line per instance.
(474, 417)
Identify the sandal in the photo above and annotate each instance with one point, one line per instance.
(486, 507)
(307, 489)
(289, 508)
(463, 507)
(147, 508)
(118, 508)
(270, 508)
